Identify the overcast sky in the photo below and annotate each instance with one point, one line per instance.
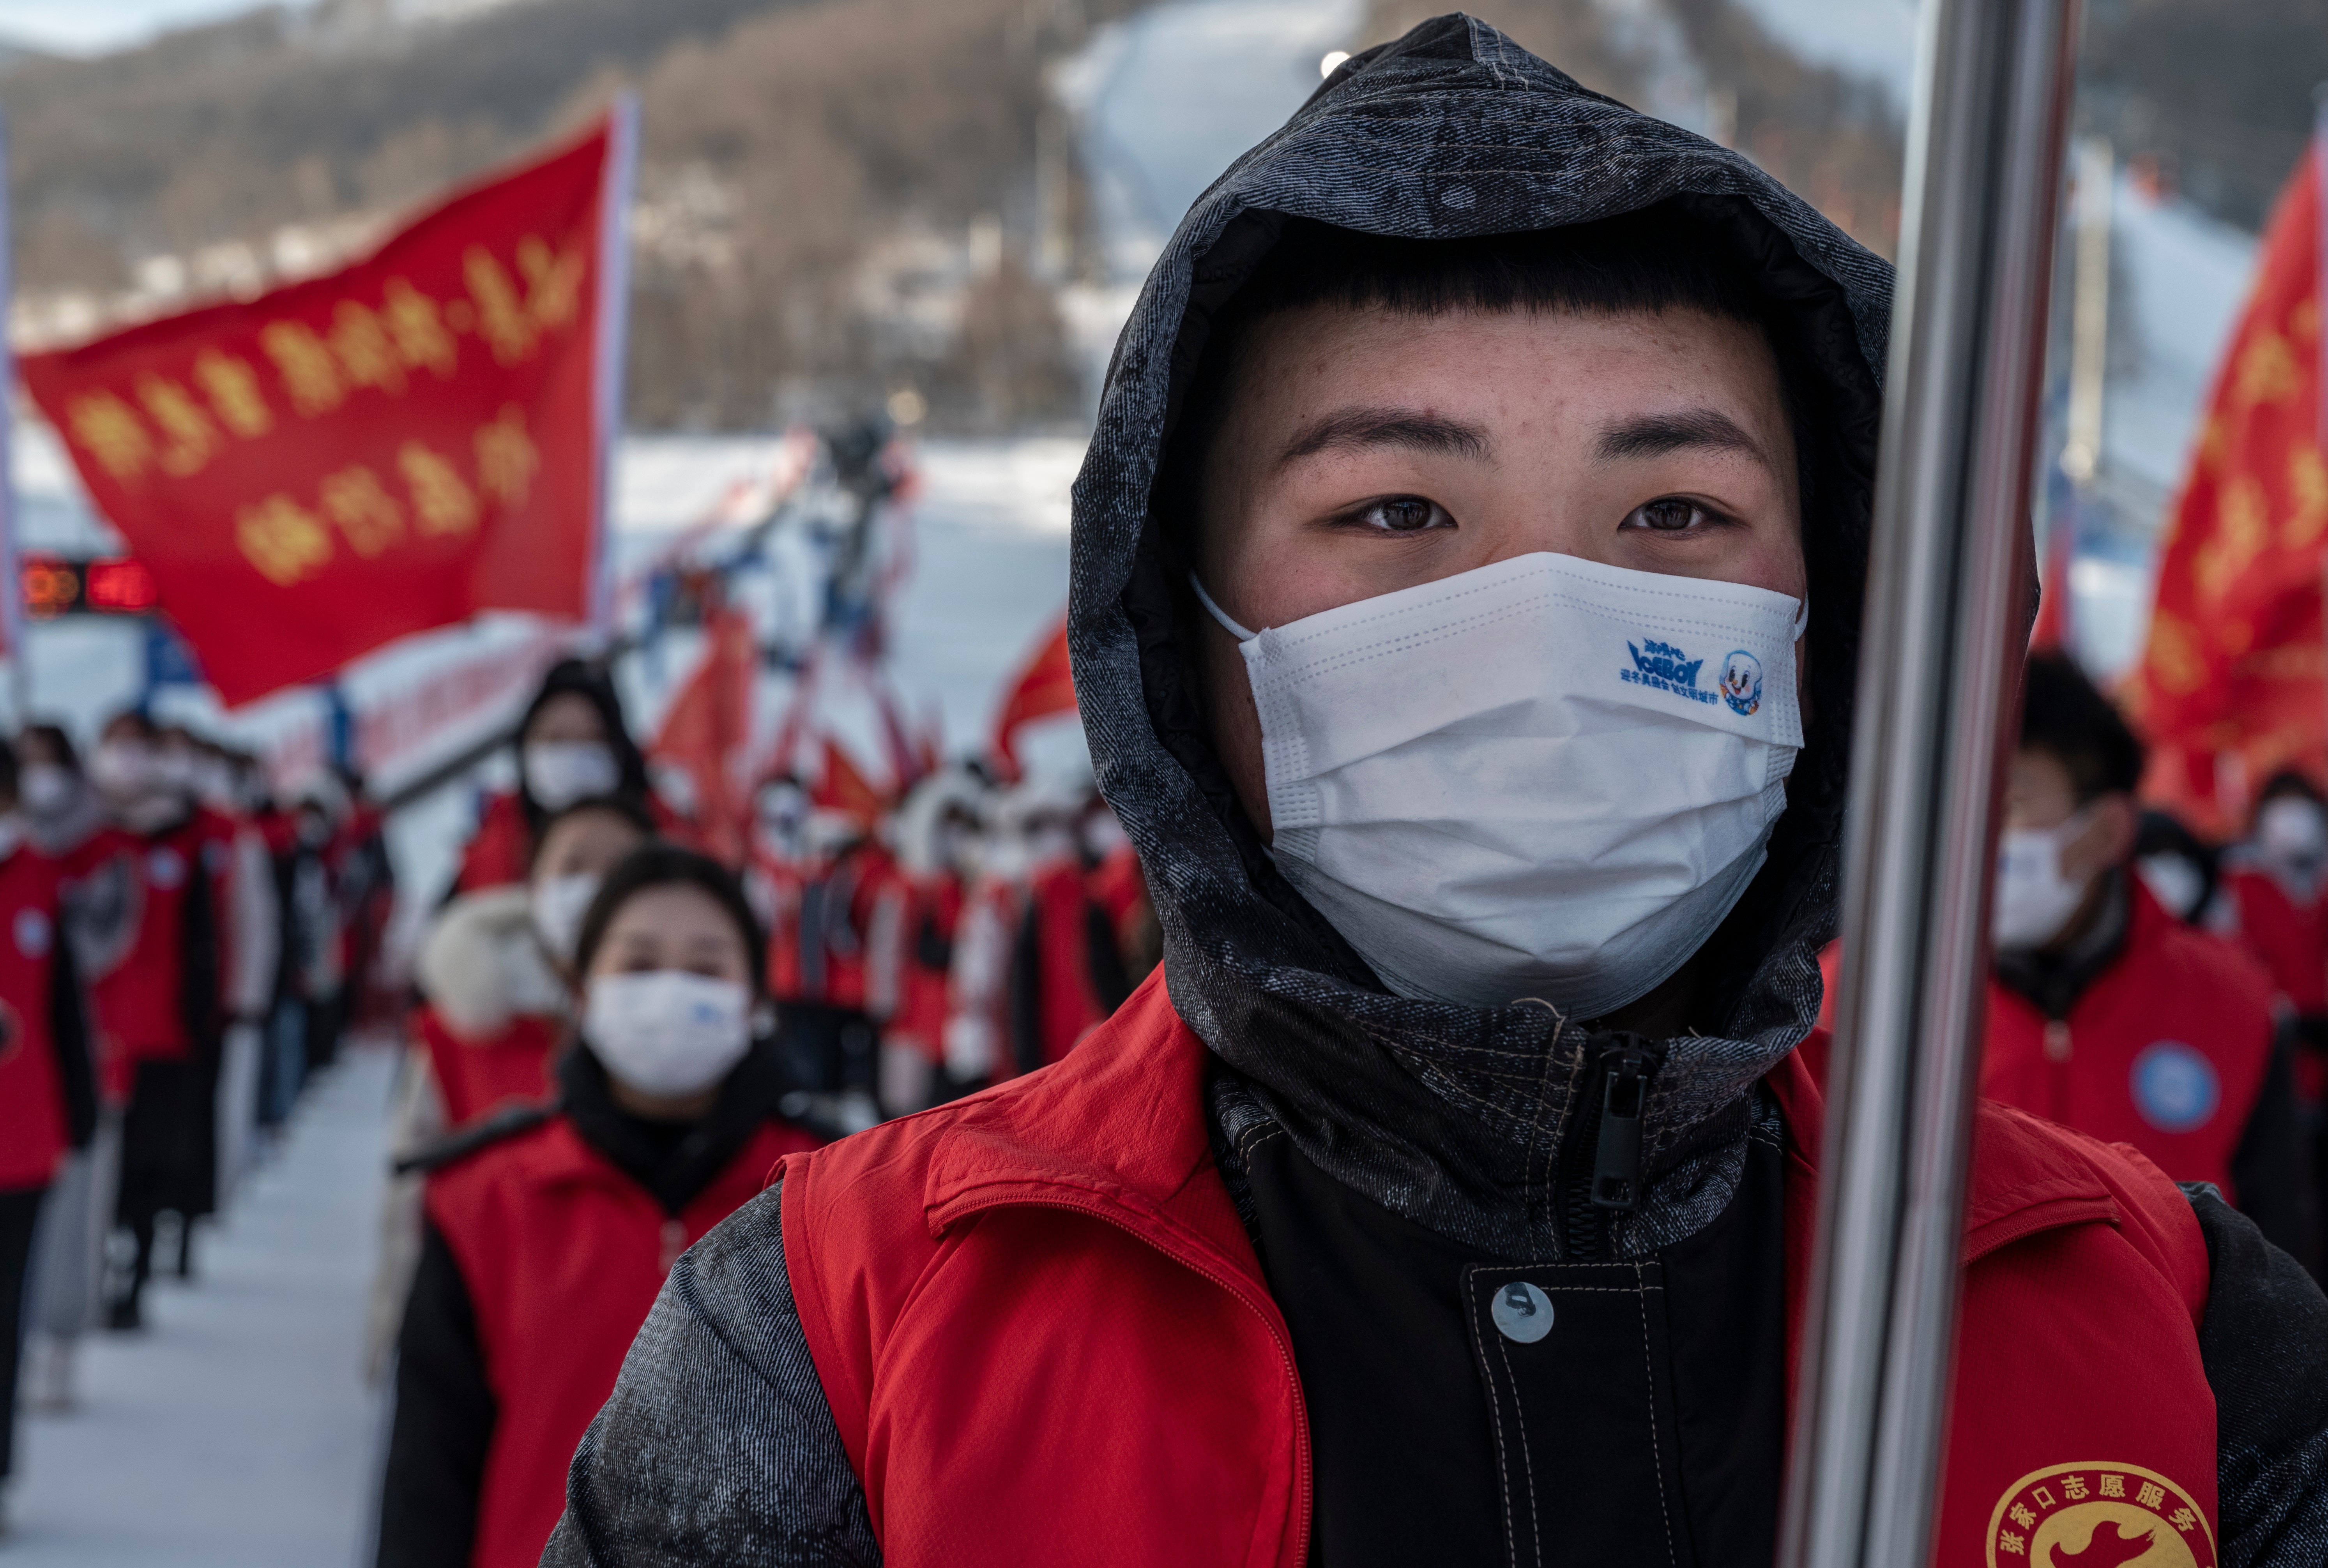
(1876, 36)
(87, 26)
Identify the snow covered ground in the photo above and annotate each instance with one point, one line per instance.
(236, 1431)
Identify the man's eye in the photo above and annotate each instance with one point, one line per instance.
(1670, 514)
(1402, 515)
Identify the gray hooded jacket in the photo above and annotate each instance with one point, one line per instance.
(717, 1444)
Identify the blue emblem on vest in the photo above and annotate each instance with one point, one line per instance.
(2174, 1087)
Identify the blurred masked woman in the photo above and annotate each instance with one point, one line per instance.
(495, 973)
(572, 745)
(548, 1234)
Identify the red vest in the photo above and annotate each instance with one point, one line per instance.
(1067, 1007)
(475, 1077)
(2166, 1050)
(502, 848)
(827, 965)
(562, 1254)
(2288, 937)
(1046, 1339)
(140, 1005)
(34, 1135)
(932, 909)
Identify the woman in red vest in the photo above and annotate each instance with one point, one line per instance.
(48, 1090)
(571, 746)
(158, 1014)
(911, 958)
(494, 974)
(66, 822)
(1468, 566)
(2276, 888)
(549, 1229)
(494, 969)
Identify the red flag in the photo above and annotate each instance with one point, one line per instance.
(396, 446)
(2233, 684)
(845, 788)
(709, 725)
(1044, 686)
(2051, 634)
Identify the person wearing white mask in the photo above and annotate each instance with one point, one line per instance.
(2276, 895)
(572, 745)
(98, 918)
(549, 1229)
(2106, 1012)
(1468, 566)
(48, 1099)
(494, 971)
(159, 1011)
(495, 966)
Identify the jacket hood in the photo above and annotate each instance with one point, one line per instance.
(1454, 1116)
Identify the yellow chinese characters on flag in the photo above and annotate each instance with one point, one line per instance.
(2233, 682)
(413, 438)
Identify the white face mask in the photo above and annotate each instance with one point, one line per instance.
(2174, 882)
(557, 772)
(2033, 900)
(174, 770)
(559, 904)
(46, 788)
(2291, 828)
(667, 1031)
(123, 768)
(1545, 777)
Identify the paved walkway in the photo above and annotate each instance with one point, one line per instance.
(236, 1432)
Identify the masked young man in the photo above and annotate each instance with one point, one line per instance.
(1466, 575)
(2109, 1015)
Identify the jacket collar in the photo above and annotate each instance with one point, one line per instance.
(1118, 1130)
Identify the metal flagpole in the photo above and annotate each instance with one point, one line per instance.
(613, 320)
(12, 579)
(1946, 613)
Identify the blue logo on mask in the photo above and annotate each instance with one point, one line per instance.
(1742, 682)
(1667, 668)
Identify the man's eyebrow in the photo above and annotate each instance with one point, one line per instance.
(1654, 435)
(1349, 430)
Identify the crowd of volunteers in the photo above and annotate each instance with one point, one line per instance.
(1408, 1153)
(615, 1037)
(180, 951)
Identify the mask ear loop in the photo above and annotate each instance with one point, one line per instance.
(1231, 627)
(1802, 619)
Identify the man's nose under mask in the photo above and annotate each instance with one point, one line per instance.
(1545, 777)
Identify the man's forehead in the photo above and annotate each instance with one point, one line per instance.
(1307, 359)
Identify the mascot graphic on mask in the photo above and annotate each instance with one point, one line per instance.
(1742, 682)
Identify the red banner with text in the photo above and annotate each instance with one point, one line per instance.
(391, 447)
(2233, 683)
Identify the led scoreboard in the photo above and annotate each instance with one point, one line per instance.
(56, 584)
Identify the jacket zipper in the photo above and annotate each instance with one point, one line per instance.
(2058, 1052)
(1601, 1156)
(1301, 1475)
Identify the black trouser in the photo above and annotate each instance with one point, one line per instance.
(324, 1016)
(160, 1141)
(19, 1210)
